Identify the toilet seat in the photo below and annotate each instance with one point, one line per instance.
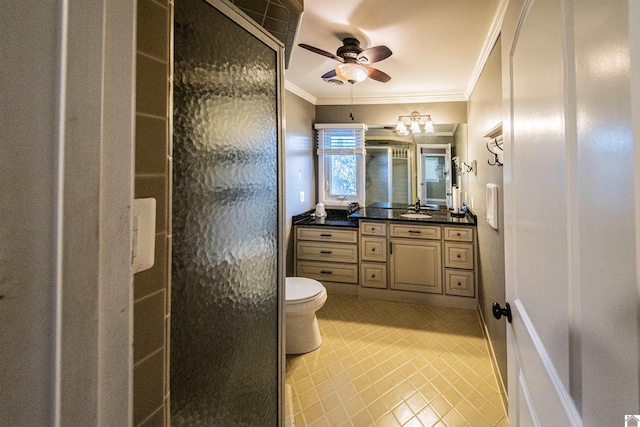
(301, 289)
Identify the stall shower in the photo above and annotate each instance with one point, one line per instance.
(226, 266)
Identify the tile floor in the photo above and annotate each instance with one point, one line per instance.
(393, 364)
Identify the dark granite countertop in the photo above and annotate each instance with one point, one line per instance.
(441, 216)
(338, 218)
(334, 218)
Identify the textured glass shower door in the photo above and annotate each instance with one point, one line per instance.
(226, 301)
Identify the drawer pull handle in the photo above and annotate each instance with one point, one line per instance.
(415, 231)
(325, 272)
(373, 249)
(458, 255)
(326, 252)
(459, 284)
(325, 235)
(458, 234)
(373, 276)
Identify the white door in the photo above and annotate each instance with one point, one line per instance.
(570, 227)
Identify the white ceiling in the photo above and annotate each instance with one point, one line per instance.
(439, 47)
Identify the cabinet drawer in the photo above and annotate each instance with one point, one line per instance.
(373, 275)
(325, 251)
(373, 228)
(327, 271)
(459, 283)
(458, 255)
(373, 249)
(327, 234)
(459, 234)
(415, 231)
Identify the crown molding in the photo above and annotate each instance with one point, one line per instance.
(413, 99)
(300, 92)
(487, 47)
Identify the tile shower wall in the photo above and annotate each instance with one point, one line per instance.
(152, 179)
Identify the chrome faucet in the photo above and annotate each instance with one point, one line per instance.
(417, 208)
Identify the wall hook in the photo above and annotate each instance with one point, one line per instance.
(496, 159)
(472, 167)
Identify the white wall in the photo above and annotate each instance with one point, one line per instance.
(300, 174)
(65, 234)
(28, 178)
(485, 112)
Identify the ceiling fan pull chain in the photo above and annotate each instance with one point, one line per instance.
(351, 99)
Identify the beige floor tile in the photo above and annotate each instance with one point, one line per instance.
(428, 416)
(403, 413)
(388, 420)
(390, 364)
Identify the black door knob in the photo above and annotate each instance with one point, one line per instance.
(498, 311)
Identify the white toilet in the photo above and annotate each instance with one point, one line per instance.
(303, 298)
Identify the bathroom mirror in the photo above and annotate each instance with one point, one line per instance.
(399, 168)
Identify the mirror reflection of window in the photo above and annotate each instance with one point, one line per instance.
(431, 168)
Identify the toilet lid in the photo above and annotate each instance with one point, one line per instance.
(299, 289)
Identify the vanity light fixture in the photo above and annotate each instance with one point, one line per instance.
(416, 122)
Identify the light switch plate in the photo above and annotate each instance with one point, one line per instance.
(143, 221)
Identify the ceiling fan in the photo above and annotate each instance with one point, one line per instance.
(354, 62)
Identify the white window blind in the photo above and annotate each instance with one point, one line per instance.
(346, 139)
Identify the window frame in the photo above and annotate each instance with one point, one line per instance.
(326, 148)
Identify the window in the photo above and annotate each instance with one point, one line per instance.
(431, 166)
(340, 163)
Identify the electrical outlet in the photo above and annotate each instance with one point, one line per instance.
(301, 196)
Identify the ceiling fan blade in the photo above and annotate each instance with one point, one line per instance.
(378, 75)
(321, 52)
(329, 74)
(374, 54)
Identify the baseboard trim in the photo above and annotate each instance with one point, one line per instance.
(494, 363)
(289, 419)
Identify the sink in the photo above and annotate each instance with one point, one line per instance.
(415, 215)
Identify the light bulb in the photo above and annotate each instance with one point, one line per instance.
(352, 73)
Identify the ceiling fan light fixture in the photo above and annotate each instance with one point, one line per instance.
(351, 72)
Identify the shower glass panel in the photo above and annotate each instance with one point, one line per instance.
(378, 177)
(226, 302)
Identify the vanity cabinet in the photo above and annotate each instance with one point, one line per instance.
(459, 261)
(415, 258)
(326, 254)
(373, 254)
(406, 261)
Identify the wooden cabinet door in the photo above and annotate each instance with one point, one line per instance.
(416, 265)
